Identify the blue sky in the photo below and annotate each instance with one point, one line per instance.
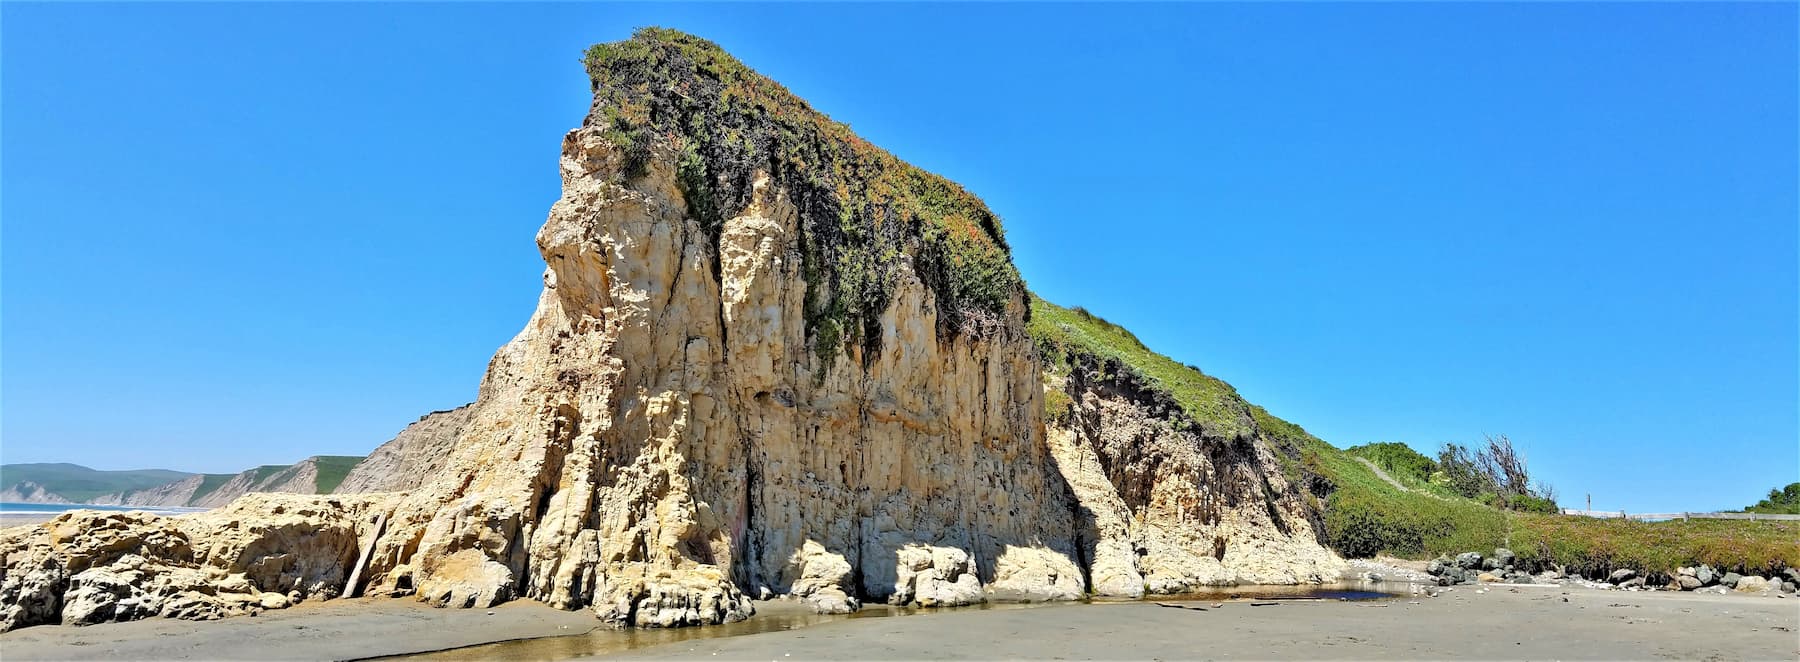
(239, 234)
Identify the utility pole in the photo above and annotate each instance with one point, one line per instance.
(1590, 503)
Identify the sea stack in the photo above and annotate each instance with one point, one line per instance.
(768, 359)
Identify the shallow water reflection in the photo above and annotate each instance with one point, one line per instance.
(770, 617)
(781, 615)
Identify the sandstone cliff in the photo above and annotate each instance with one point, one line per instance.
(768, 359)
(417, 453)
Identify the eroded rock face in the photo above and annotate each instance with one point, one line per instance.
(411, 457)
(662, 438)
(92, 566)
(1167, 508)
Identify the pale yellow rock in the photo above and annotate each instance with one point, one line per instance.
(1166, 510)
(92, 566)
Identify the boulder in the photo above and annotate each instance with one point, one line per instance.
(1731, 579)
(1753, 584)
(1468, 560)
(1436, 567)
(1621, 575)
(1504, 556)
(1688, 582)
(1488, 578)
(1634, 582)
(1491, 563)
(1705, 574)
(1684, 571)
(1788, 587)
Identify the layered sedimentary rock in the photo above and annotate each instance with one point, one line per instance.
(416, 454)
(768, 359)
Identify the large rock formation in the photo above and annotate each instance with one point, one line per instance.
(768, 359)
(417, 453)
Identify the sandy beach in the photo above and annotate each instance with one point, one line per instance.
(1502, 623)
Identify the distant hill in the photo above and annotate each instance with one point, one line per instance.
(78, 484)
(318, 474)
(397, 465)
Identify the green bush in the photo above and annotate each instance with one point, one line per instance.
(1784, 501)
(1399, 460)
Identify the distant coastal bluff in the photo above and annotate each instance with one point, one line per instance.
(769, 359)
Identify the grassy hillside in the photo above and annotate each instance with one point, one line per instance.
(333, 469)
(1066, 335)
(78, 483)
(1365, 515)
(209, 483)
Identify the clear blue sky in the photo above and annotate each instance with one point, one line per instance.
(239, 234)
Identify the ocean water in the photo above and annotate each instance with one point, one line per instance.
(10, 508)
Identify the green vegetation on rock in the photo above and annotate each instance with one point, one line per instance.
(1423, 516)
(862, 211)
(1068, 336)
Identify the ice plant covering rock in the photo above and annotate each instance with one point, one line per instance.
(768, 359)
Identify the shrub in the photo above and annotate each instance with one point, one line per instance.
(1782, 501)
(1398, 459)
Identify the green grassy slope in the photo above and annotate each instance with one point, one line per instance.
(78, 483)
(1365, 515)
(333, 469)
(209, 483)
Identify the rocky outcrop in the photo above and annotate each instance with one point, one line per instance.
(668, 435)
(26, 491)
(768, 359)
(412, 456)
(264, 551)
(1167, 502)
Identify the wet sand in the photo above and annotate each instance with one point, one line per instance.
(1504, 623)
(1501, 624)
(328, 630)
